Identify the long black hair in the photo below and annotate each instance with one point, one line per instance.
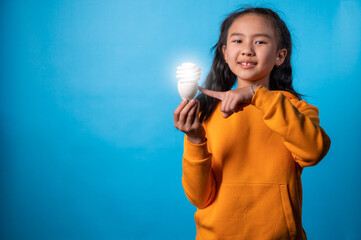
(221, 78)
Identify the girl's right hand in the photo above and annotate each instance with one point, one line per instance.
(232, 100)
(186, 120)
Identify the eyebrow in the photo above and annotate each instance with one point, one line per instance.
(255, 35)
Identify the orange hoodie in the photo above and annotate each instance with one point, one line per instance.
(245, 180)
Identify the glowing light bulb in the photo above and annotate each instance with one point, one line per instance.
(188, 75)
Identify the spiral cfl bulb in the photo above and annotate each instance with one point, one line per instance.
(188, 75)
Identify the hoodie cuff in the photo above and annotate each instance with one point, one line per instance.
(195, 151)
(260, 93)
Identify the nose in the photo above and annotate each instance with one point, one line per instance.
(248, 50)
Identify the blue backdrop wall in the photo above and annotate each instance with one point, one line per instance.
(87, 92)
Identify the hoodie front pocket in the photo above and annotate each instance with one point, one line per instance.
(287, 208)
(250, 211)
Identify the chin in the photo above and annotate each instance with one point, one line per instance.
(248, 78)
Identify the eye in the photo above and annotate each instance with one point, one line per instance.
(237, 41)
(260, 42)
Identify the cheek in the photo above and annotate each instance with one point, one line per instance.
(269, 57)
(232, 54)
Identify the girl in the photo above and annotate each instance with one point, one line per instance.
(245, 149)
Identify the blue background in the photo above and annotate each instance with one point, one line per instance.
(87, 93)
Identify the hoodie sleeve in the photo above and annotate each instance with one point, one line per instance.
(297, 122)
(198, 177)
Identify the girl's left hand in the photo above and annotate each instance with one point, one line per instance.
(233, 100)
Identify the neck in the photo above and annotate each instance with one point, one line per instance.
(245, 83)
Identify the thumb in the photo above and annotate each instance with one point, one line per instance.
(214, 94)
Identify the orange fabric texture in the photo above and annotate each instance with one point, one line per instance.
(245, 180)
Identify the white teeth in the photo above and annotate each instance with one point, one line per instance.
(247, 64)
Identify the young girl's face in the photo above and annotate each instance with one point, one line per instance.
(251, 51)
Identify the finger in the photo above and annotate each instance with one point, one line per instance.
(196, 117)
(233, 105)
(184, 113)
(238, 108)
(225, 106)
(190, 115)
(225, 103)
(227, 114)
(214, 94)
(241, 106)
(178, 110)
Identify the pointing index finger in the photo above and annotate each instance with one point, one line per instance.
(211, 93)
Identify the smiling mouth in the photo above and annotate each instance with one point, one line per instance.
(247, 64)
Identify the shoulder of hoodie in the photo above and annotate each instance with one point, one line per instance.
(295, 101)
(287, 94)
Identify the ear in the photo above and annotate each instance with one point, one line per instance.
(224, 48)
(281, 56)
